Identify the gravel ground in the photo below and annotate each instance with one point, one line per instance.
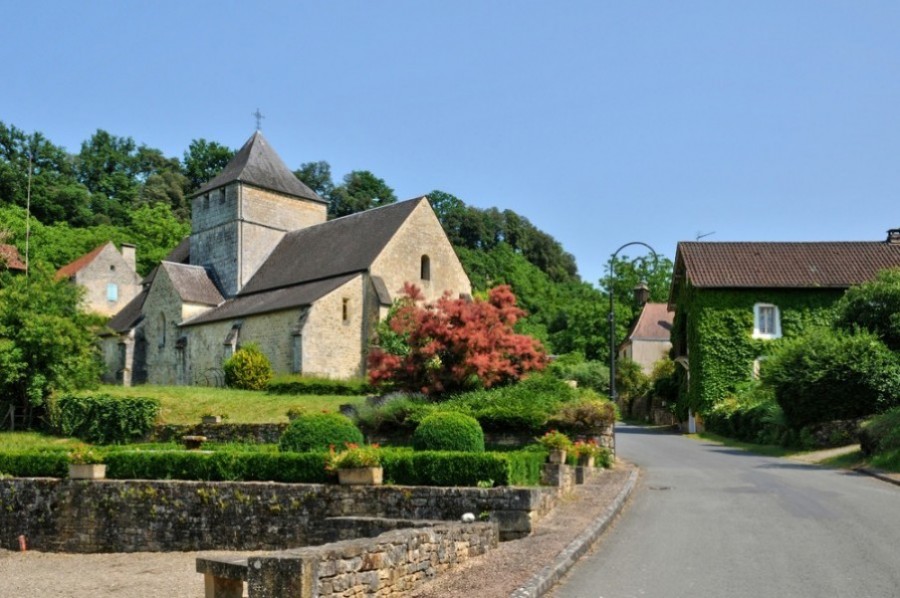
(173, 575)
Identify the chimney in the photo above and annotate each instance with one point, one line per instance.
(894, 236)
(128, 252)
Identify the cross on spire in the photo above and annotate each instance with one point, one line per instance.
(259, 116)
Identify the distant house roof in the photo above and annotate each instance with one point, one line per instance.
(654, 323)
(342, 246)
(257, 164)
(192, 284)
(269, 301)
(74, 267)
(10, 258)
(783, 265)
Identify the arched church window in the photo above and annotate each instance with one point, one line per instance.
(162, 329)
(425, 268)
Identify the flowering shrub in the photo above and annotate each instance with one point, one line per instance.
(555, 440)
(452, 344)
(354, 456)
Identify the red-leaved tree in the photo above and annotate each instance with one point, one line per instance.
(452, 344)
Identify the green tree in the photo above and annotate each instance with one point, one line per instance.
(361, 190)
(203, 160)
(46, 342)
(316, 176)
(155, 230)
(873, 306)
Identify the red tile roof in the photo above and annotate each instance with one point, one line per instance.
(72, 268)
(783, 265)
(10, 258)
(654, 323)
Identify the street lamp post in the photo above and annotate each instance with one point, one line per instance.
(612, 317)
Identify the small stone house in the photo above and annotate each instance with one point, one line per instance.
(263, 265)
(10, 259)
(732, 301)
(110, 278)
(649, 340)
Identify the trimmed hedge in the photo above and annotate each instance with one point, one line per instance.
(296, 385)
(217, 466)
(35, 464)
(248, 369)
(103, 419)
(449, 431)
(319, 431)
(401, 466)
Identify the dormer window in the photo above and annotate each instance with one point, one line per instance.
(766, 321)
(425, 268)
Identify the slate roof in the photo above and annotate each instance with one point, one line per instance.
(654, 323)
(181, 254)
(10, 258)
(192, 284)
(783, 265)
(278, 299)
(129, 316)
(257, 164)
(341, 246)
(76, 266)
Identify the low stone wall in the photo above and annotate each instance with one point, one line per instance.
(62, 515)
(249, 433)
(391, 563)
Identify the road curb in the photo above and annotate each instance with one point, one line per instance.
(545, 578)
(885, 477)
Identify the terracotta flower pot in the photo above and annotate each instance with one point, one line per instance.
(361, 476)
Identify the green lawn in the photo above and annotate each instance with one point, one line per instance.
(187, 404)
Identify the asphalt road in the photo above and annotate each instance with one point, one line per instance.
(708, 521)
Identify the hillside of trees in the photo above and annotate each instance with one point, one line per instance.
(116, 189)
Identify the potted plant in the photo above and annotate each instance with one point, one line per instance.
(85, 464)
(357, 464)
(557, 443)
(586, 452)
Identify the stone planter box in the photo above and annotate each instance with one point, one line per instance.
(361, 475)
(586, 461)
(556, 456)
(87, 471)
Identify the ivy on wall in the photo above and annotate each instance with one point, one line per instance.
(716, 327)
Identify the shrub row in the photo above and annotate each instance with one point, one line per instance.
(34, 464)
(295, 385)
(103, 419)
(405, 467)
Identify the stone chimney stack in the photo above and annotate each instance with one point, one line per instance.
(128, 252)
(894, 236)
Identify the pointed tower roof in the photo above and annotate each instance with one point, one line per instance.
(257, 164)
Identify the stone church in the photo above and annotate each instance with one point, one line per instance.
(264, 265)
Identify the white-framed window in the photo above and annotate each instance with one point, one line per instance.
(766, 321)
(112, 292)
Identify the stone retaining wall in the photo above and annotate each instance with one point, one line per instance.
(391, 563)
(62, 515)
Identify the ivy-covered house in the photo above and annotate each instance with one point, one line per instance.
(732, 301)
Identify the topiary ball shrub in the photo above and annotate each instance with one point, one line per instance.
(248, 369)
(449, 431)
(318, 431)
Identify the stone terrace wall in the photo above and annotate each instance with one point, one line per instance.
(62, 515)
(391, 563)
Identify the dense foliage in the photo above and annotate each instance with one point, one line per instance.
(452, 344)
(248, 369)
(827, 375)
(873, 306)
(449, 431)
(102, 419)
(310, 385)
(881, 434)
(318, 432)
(46, 343)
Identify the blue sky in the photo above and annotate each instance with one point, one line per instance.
(602, 122)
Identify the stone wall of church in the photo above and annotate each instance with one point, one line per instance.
(401, 261)
(162, 314)
(215, 235)
(333, 346)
